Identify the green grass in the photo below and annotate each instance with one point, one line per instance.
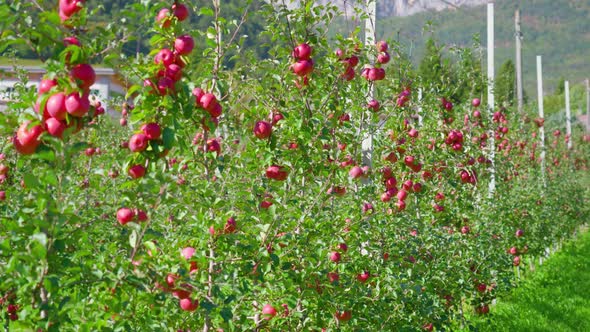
(5, 61)
(555, 298)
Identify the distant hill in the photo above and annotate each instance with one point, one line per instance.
(557, 30)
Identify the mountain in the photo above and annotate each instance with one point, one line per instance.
(557, 30)
(388, 8)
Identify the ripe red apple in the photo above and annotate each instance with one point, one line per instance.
(56, 106)
(373, 105)
(152, 130)
(519, 233)
(516, 261)
(83, 75)
(402, 195)
(55, 127)
(184, 44)
(125, 215)
(476, 102)
(382, 46)
(141, 215)
(136, 171)
(180, 11)
(333, 277)
(188, 304)
(302, 67)
(164, 18)
(213, 146)
(356, 172)
(164, 57)
(46, 85)
(208, 101)
(278, 173)
(481, 288)
(363, 277)
(383, 58)
(165, 85)
(465, 230)
(302, 52)
(268, 311)
(335, 256)
(230, 226)
(123, 123)
(262, 129)
(174, 72)
(70, 7)
(343, 316)
(77, 105)
(188, 252)
(27, 139)
(513, 251)
(138, 142)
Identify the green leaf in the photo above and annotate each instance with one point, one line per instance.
(133, 239)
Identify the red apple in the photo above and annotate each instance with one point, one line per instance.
(476, 102)
(56, 106)
(136, 171)
(262, 129)
(188, 252)
(125, 215)
(184, 44)
(164, 18)
(138, 142)
(302, 67)
(382, 46)
(302, 52)
(519, 233)
(83, 75)
(383, 58)
(27, 139)
(278, 173)
(189, 304)
(355, 172)
(343, 316)
(268, 312)
(70, 7)
(152, 130)
(180, 11)
(164, 57)
(46, 85)
(208, 101)
(335, 256)
(77, 105)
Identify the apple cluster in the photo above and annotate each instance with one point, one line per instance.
(126, 215)
(63, 104)
(349, 64)
(376, 73)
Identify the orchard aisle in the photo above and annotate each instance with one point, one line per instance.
(555, 298)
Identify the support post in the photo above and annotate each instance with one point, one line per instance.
(541, 114)
(568, 116)
(518, 37)
(490, 49)
(588, 104)
(370, 27)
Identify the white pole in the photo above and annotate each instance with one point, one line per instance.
(370, 26)
(541, 113)
(588, 104)
(420, 107)
(518, 37)
(568, 115)
(492, 186)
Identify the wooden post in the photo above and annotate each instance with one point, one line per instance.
(492, 185)
(541, 114)
(370, 27)
(568, 115)
(518, 37)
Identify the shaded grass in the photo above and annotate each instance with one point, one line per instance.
(555, 298)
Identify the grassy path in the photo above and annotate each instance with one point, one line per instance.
(555, 298)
